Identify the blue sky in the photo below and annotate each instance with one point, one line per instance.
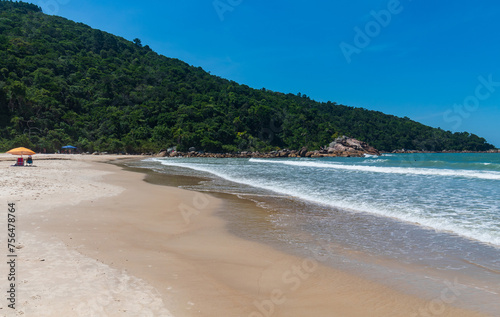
(437, 62)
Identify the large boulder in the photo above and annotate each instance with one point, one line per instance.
(162, 154)
(345, 146)
(303, 152)
(284, 153)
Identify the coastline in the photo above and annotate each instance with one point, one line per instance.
(165, 249)
(303, 154)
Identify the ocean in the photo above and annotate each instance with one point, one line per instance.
(416, 222)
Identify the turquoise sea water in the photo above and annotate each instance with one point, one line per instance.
(434, 213)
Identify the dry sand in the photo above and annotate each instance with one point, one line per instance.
(95, 240)
(52, 279)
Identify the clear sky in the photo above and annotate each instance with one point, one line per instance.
(437, 62)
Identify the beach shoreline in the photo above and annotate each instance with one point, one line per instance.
(164, 250)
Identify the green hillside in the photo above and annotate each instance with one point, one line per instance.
(63, 82)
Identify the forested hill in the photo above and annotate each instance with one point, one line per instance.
(63, 82)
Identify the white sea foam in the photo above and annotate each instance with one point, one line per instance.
(392, 170)
(375, 161)
(475, 231)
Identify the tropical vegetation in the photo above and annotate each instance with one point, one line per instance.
(63, 82)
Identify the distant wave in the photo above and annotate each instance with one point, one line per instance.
(493, 166)
(392, 170)
(375, 160)
(489, 164)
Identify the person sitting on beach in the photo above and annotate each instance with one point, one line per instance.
(29, 161)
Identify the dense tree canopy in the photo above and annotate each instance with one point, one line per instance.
(64, 82)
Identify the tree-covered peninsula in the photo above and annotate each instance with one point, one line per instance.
(63, 82)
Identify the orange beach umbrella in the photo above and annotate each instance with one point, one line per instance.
(21, 151)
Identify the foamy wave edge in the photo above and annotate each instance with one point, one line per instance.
(491, 175)
(434, 224)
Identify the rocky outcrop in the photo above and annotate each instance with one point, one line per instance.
(303, 152)
(347, 147)
(344, 146)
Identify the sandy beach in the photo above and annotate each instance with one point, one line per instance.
(96, 240)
